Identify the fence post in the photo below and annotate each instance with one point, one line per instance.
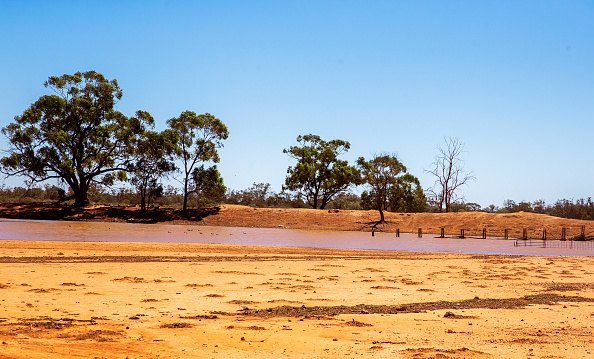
(583, 235)
(484, 233)
(563, 234)
(462, 233)
(524, 234)
(505, 234)
(397, 232)
(420, 234)
(544, 234)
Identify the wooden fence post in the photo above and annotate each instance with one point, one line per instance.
(397, 232)
(505, 234)
(563, 234)
(420, 234)
(484, 233)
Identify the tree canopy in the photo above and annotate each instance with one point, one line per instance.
(153, 159)
(381, 174)
(74, 135)
(319, 175)
(208, 184)
(407, 195)
(199, 138)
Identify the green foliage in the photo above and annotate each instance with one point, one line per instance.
(389, 184)
(464, 207)
(260, 195)
(31, 194)
(208, 185)
(74, 135)
(490, 208)
(407, 195)
(199, 138)
(319, 175)
(346, 201)
(580, 209)
(153, 160)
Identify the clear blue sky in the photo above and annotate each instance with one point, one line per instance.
(514, 80)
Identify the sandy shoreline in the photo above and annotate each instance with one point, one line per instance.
(118, 300)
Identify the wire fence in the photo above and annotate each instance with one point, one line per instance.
(520, 234)
(554, 244)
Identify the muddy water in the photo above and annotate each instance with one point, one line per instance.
(124, 232)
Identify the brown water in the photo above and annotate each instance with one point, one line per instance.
(125, 232)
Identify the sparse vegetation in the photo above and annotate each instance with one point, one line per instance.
(259, 195)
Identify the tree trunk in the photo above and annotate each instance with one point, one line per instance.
(82, 195)
(185, 194)
(324, 203)
(379, 207)
(143, 201)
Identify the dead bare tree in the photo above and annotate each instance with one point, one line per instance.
(450, 174)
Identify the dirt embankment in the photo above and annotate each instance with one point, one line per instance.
(241, 216)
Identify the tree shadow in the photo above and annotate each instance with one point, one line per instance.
(131, 214)
(37, 211)
(373, 226)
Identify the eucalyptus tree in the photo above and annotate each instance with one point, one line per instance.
(407, 195)
(153, 159)
(199, 138)
(381, 174)
(319, 175)
(208, 184)
(74, 135)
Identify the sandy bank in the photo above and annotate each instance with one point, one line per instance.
(118, 300)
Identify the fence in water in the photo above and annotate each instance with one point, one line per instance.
(554, 244)
(563, 234)
(564, 238)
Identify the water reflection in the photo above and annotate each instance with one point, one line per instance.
(124, 232)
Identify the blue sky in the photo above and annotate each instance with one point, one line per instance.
(514, 80)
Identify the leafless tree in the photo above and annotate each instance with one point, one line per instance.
(450, 174)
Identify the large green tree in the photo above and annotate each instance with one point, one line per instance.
(74, 135)
(319, 175)
(199, 138)
(207, 184)
(407, 195)
(387, 179)
(153, 160)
